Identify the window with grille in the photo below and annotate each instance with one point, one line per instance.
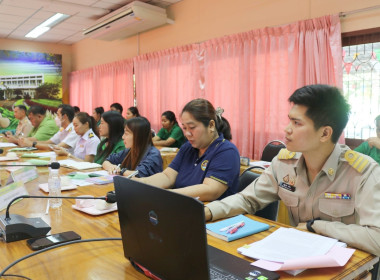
(361, 83)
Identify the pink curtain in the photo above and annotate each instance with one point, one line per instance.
(81, 89)
(252, 74)
(166, 80)
(103, 85)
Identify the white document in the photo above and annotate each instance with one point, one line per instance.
(81, 183)
(7, 158)
(288, 243)
(79, 165)
(46, 154)
(6, 145)
(100, 172)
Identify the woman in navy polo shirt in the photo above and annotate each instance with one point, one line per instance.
(208, 165)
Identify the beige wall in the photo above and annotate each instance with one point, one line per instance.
(200, 20)
(64, 50)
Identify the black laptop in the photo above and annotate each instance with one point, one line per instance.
(164, 234)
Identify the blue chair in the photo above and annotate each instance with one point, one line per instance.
(247, 177)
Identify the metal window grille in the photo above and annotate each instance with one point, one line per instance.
(361, 88)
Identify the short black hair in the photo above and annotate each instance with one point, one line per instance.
(36, 110)
(99, 110)
(76, 109)
(117, 106)
(68, 111)
(21, 107)
(326, 107)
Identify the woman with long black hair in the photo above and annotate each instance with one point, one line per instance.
(140, 154)
(111, 128)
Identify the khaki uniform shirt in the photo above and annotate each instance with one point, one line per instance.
(24, 127)
(354, 220)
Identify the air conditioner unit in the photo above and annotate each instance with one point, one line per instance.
(127, 21)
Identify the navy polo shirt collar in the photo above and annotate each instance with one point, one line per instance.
(210, 149)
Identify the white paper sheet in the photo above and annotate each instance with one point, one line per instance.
(6, 145)
(287, 244)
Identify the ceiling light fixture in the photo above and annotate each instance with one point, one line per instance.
(46, 25)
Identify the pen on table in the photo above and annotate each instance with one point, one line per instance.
(235, 228)
(47, 207)
(231, 226)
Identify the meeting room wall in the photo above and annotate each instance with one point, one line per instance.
(200, 20)
(64, 50)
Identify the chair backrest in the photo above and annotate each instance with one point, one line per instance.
(375, 271)
(247, 177)
(272, 149)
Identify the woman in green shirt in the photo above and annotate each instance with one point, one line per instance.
(170, 135)
(371, 147)
(97, 114)
(111, 128)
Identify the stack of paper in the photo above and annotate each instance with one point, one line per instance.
(292, 249)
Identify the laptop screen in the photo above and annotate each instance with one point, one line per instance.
(162, 230)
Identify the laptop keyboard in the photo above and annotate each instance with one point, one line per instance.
(217, 273)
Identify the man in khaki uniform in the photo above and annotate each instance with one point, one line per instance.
(24, 126)
(327, 188)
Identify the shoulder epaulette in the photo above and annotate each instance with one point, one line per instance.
(356, 160)
(91, 135)
(285, 154)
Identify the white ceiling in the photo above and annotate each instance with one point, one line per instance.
(18, 17)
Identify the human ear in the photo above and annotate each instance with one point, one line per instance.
(327, 132)
(211, 125)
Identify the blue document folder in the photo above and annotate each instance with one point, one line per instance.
(250, 227)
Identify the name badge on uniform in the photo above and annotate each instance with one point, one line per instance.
(288, 183)
(287, 187)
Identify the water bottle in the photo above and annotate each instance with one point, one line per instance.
(53, 158)
(54, 185)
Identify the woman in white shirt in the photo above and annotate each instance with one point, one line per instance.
(85, 127)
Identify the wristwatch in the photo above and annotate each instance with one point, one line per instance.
(34, 144)
(309, 223)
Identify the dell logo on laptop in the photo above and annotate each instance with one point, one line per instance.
(153, 217)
